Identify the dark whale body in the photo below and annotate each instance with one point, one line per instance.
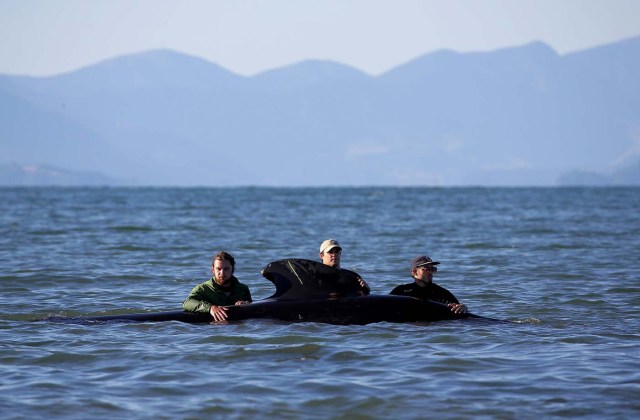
(308, 291)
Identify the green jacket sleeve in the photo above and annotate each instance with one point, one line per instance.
(206, 294)
(197, 300)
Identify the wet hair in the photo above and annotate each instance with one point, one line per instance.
(224, 256)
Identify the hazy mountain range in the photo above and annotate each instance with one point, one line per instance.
(516, 116)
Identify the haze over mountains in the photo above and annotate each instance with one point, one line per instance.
(517, 116)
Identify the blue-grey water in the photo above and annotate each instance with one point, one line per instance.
(562, 262)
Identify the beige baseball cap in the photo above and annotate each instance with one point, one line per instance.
(329, 244)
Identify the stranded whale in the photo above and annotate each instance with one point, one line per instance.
(308, 291)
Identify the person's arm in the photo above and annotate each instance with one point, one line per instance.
(397, 291)
(451, 301)
(193, 304)
(201, 299)
(196, 302)
(349, 277)
(365, 289)
(219, 313)
(244, 295)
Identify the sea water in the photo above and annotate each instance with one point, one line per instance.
(562, 263)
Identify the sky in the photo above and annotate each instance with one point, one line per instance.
(48, 37)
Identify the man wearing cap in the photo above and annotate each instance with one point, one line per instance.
(422, 269)
(330, 253)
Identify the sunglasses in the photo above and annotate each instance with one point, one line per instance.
(431, 268)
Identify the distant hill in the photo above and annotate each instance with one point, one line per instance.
(515, 116)
(624, 176)
(13, 174)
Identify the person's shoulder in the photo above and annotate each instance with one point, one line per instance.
(238, 283)
(403, 288)
(445, 293)
(207, 283)
(202, 287)
(437, 286)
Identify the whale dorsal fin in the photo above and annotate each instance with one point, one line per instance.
(297, 278)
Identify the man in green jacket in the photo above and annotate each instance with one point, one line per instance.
(221, 290)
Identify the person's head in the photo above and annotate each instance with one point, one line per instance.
(222, 267)
(422, 268)
(330, 253)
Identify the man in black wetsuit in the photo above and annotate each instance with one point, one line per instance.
(331, 253)
(422, 269)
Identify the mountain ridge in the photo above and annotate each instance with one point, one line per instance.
(162, 116)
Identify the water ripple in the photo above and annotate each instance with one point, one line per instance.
(561, 263)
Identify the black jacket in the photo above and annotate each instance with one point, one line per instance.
(430, 292)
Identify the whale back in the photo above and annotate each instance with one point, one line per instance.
(296, 278)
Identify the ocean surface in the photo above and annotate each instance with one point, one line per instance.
(563, 263)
